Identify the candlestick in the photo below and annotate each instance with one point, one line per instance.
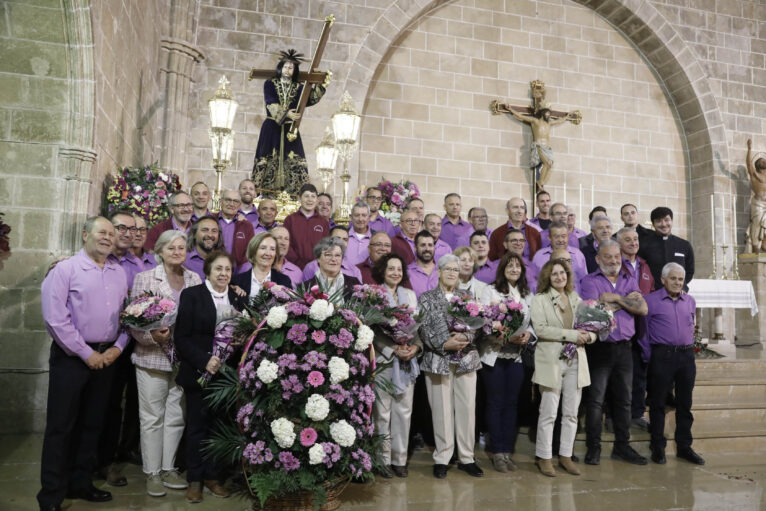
(713, 275)
(723, 225)
(734, 219)
(723, 263)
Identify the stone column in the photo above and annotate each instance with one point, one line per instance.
(180, 56)
(752, 267)
(75, 167)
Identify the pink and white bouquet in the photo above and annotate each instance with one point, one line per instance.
(151, 312)
(591, 316)
(224, 340)
(395, 197)
(464, 314)
(505, 318)
(402, 325)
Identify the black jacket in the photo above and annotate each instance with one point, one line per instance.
(195, 328)
(658, 251)
(245, 280)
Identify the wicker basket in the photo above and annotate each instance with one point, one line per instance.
(304, 501)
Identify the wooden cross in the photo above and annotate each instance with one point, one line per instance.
(313, 76)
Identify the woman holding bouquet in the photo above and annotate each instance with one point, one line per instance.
(450, 373)
(160, 408)
(468, 266)
(561, 366)
(502, 369)
(195, 330)
(261, 252)
(393, 412)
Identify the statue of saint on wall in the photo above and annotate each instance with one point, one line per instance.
(756, 170)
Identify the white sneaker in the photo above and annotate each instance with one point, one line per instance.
(173, 480)
(154, 486)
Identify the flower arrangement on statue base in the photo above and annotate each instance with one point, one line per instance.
(303, 403)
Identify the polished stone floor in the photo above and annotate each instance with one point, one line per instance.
(730, 482)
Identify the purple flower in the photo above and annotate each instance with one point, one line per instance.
(343, 340)
(363, 458)
(316, 359)
(297, 333)
(332, 453)
(289, 462)
(287, 361)
(297, 309)
(348, 315)
(257, 453)
(243, 416)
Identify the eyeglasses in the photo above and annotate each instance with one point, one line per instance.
(411, 221)
(381, 245)
(375, 198)
(451, 270)
(477, 217)
(141, 230)
(124, 228)
(517, 241)
(232, 201)
(185, 205)
(328, 255)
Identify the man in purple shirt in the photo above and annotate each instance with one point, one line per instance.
(454, 230)
(125, 230)
(422, 272)
(487, 269)
(137, 249)
(479, 221)
(204, 237)
(433, 224)
(575, 233)
(267, 216)
(358, 244)
(281, 263)
(339, 232)
(200, 196)
(377, 222)
(380, 245)
(81, 301)
(558, 214)
(247, 210)
(559, 239)
(181, 208)
(668, 343)
(610, 360)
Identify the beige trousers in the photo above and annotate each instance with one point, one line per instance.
(452, 398)
(392, 416)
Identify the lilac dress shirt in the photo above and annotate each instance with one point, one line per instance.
(669, 321)
(594, 284)
(358, 250)
(293, 272)
(195, 263)
(227, 232)
(381, 223)
(441, 248)
(251, 216)
(148, 261)
(531, 274)
(455, 235)
(487, 272)
(81, 304)
(420, 281)
(194, 216)
(579, 267)
(131, 264)
(345, 268)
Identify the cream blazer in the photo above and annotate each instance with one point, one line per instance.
(551, 336)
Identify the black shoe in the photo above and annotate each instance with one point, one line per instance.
(384, 472)
(91, 494)
(593, 456)
(440, 471)
(52, 507)
(575, 458)
(689, 455)
(400, 470)
(658, 456)
(627, 453)
(472, 469)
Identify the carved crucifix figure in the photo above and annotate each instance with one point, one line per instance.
(756, 170)
(280, 161)
(540, 118)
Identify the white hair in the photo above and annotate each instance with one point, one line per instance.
(166, 238)
(671, 267)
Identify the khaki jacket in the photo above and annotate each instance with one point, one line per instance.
(551, 336)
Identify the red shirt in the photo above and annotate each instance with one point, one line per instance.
(305, 232)
(403, 247)
(532, 235)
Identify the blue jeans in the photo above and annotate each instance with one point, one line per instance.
(502, 385)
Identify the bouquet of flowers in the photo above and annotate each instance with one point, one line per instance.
(395, 197)
(302, 400)
(143, 190)
(258, 306)
(463, 314)
(402, 325)
(591, 316)
(224, 340)
(150, 312)
(508, 314)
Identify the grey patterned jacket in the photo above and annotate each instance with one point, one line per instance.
(434, 333)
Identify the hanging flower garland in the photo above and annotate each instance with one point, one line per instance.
(144, 191)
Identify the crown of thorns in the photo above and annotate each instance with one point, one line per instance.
(292, 56)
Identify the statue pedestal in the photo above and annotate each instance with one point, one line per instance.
(751, 329)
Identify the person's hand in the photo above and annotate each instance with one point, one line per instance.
(634, 295)
(408, 352)
(95, 361)
(609, 298)
(111, 355)
(456, 342)
(582, 337)
(53, 265)
(237, 290)
(161, 335)
(749, 143)
(292, 114)
(522, 338)
(213, 365)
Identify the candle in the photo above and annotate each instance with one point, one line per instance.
(734, 221)
(712, 219)
(723, 220)
(579, 213)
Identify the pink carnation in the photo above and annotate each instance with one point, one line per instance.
(318, 336)
(315, 378)
(308, 437)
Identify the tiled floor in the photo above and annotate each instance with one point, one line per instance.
(729, 482)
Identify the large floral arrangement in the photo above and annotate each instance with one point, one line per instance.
(395, 197)
(303, 396)
(143, 190)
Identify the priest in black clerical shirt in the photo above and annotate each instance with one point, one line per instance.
(664, 247)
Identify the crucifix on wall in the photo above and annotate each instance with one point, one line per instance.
(541, 119)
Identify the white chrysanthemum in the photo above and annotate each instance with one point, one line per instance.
(284, 432)
(267, 371)
(364, 338)
(316, 454)
(321, 310)
(276, 317)
(338, 369)
(343, 433)
(317, 407)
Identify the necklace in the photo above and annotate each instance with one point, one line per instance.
(286, 92)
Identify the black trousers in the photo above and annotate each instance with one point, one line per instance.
(199, 421)
(77, 401)
(671, 369)
(610, 364)
(638, 398)
(421, 412)
(121, 428)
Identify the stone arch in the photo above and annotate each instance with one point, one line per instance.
(674, 63)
